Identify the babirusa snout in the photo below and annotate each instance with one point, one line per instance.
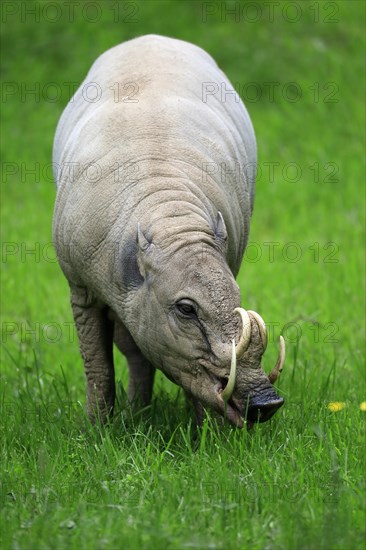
(242, 346)
(237, 351)
(263, 406)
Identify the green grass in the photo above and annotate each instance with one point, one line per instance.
(154, 481)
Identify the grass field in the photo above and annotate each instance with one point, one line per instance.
(153, 481)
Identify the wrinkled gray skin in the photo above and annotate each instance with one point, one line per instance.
(149, 148)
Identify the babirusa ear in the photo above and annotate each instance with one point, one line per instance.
(145, 250)
(220, 228)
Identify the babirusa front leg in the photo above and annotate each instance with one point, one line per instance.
(95, 332)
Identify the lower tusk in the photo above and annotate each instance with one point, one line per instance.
(245, 332)
(280, 362)
(227, 392)
(261, 326)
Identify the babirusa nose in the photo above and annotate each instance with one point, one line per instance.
(261, 410)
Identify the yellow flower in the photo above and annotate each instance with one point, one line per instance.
(336, 406)
(363, 406)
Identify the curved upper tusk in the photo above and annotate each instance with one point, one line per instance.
(262, 327)
(228, 390)
(280, 362)
(245, 333)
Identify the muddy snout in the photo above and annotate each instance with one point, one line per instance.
(262, 407)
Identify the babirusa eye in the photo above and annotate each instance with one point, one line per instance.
(186, 308)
